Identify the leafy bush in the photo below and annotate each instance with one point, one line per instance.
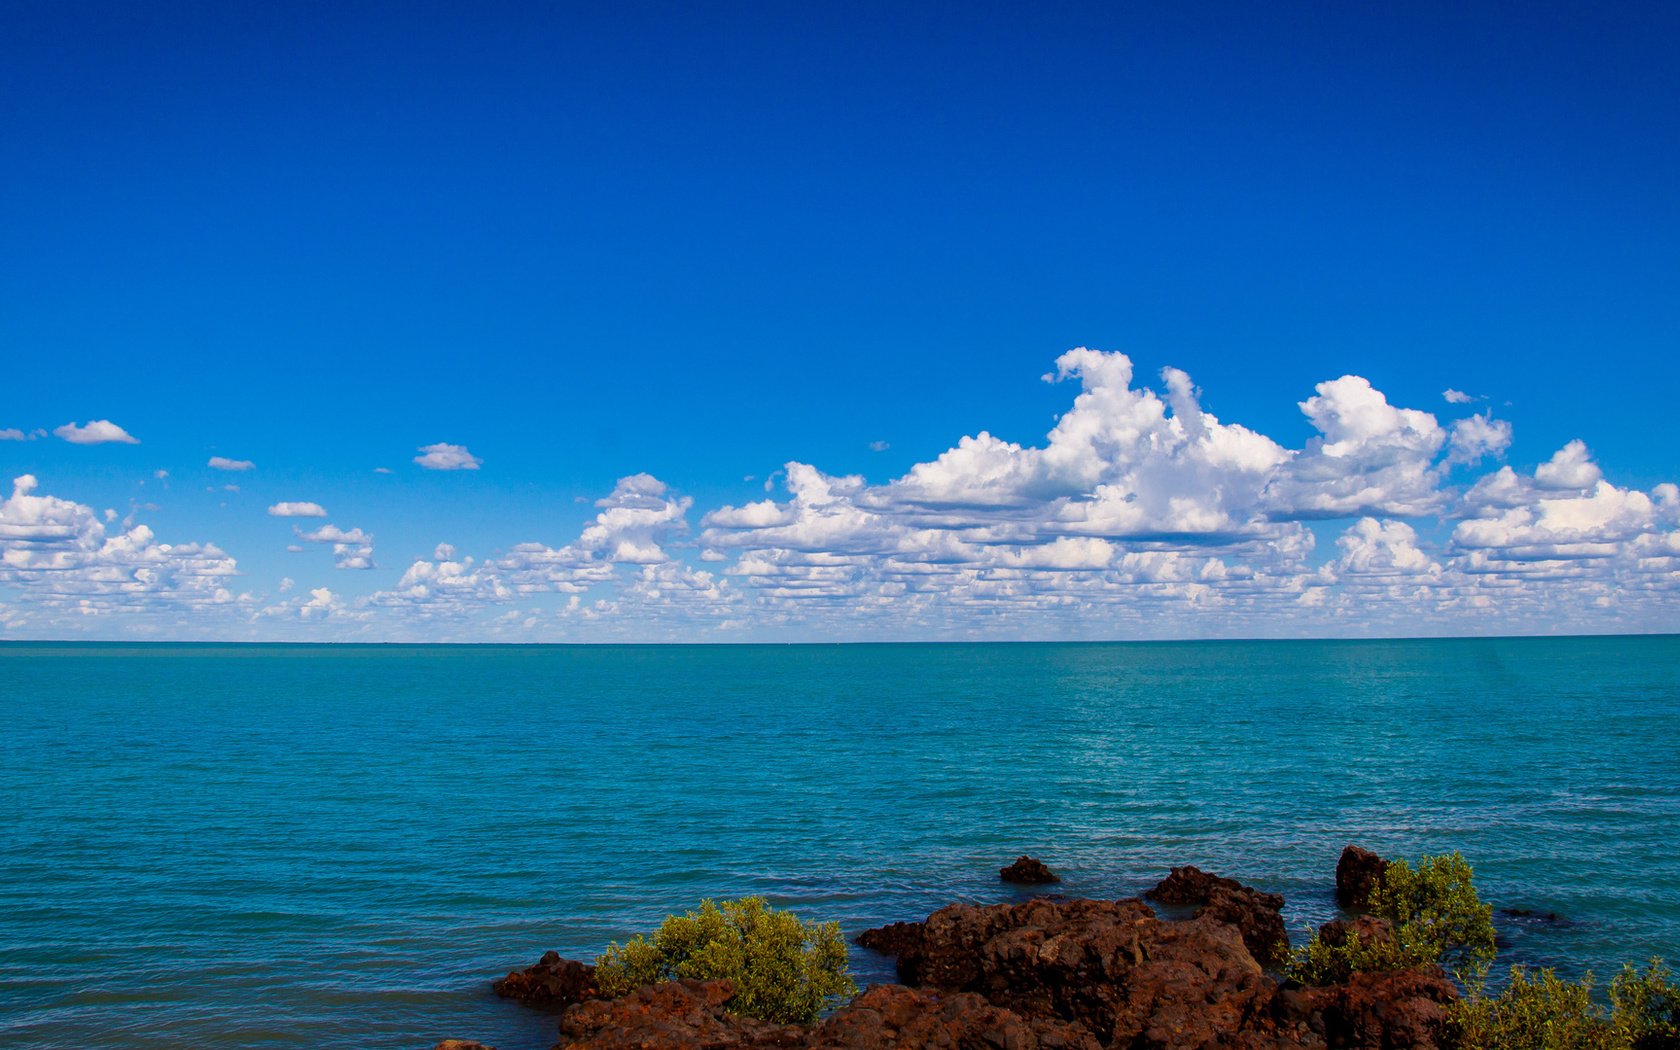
(1540, 1011)
(1325, 960)
(1436, 918)
(1436, 913)
(1535, 1011)
(1645, 1007)
(783, 969)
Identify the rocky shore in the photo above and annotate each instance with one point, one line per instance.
(1048, 973)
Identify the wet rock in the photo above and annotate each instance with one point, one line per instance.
(1551, 918)
(461, 1044)
(1027, 871)
(1258, 915)
(1357, 874)
(902, 941)
(553, 982)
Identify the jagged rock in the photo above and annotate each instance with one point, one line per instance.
(678, 1014)
(1357, 874)
(553, 982)
(690, 1015)
(1258, 915)
(1112, 967)
(1055, 975)
(902, 941)
(892, 1016)
(1026, 871)
(1386, 1010)
(1366, 929)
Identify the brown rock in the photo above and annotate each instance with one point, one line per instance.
(553, 982)
(890, 1015)
(901, 940)
(461, 1044)
(1366, 930)
(678, 1015)
(1258, 915)
(1111, 967)
(1357, 874)
(1387, 1010)
(1028, 872)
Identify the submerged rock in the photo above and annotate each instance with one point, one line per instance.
(1357, 874)
(1027, 871)
(461, 1044)
(1259, 916)
(553, 982)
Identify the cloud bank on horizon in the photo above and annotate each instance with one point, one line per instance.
(1139, 516)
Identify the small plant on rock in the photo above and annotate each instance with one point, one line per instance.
(783, 969)
(1433, 917)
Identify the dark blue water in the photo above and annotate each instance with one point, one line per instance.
(275, 846)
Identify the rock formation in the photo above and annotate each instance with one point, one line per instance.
(1357, 874)
(1027, 871)
(1045, 975)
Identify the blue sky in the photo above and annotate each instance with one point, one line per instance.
(587, 244)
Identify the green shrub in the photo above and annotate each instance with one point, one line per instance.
(784, 970)
(1320, 961)
(1436, 913)
(1539, 1011)
(1436, 916)
(1645, 1007)
(1535, 1011)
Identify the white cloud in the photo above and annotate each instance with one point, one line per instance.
(1571, 467)
(879, 446)
(14, 434)
(1140, 513)
(1477, 437)
(1456, 397)
(60, 555)
(352, 548)
(442, 456)
(297, 510)
(96, 432)
(223, 463)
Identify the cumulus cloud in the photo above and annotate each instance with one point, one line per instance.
(1456, 397)
(1140, 512)
(297, 510)
(14, 434)
(1473, 439)
(96, 432)
(442, 456)
(223, 463)
(62, 556)
(352, 548)
(1571, 467)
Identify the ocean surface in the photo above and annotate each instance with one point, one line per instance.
(339, 846)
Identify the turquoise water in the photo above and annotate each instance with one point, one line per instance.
(278, 846)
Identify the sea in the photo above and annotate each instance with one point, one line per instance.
(341, 845)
